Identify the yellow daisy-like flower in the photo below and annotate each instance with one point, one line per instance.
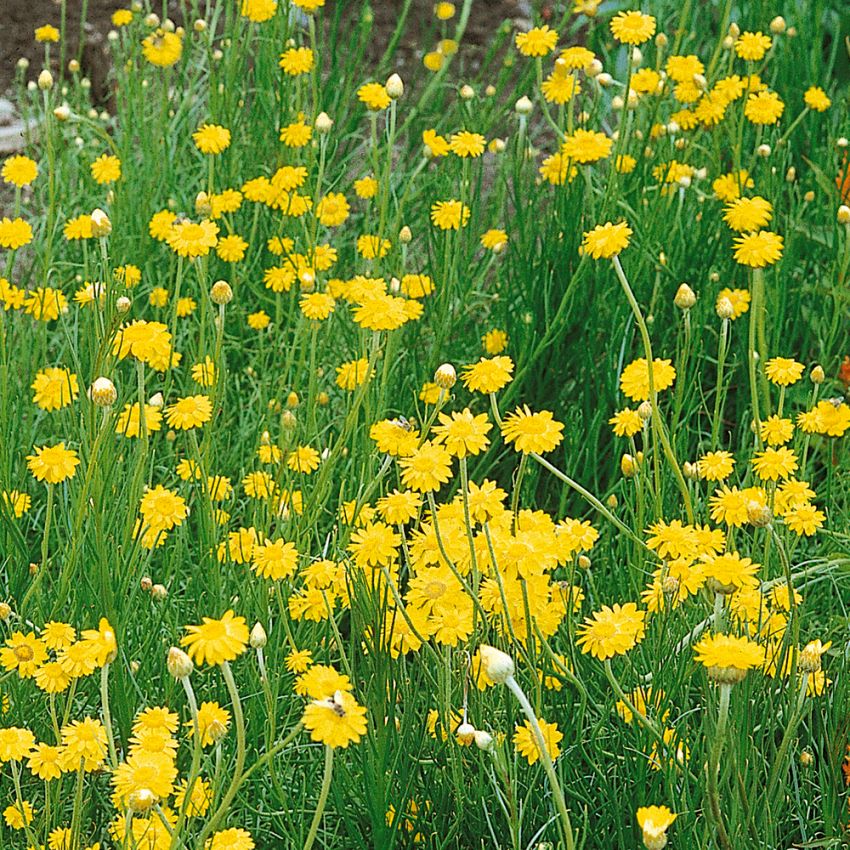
(764, 107)
(106, 169)
(748, 214)
(449, 215)
(258, 11)
(55, 388)
(47, 33)
(53, 464)
(783, 371)
(715, 466)
(189, 412)
(374, 95)
(606, 240)
(463, 434)
(634, 382)
(586, 146)
(336, 721)
(20, 171)
(211, 138)
(526, 744)
(532, 432)
(192, 239)
(654, 822)
(757, 250)
(14, 233)
(739, 300)
(231, 839)
(612, 631)
(465, 144)
(626, 423)
(752, 46)
(817, 99)
(728, 658)
(296, 61)
(538, 41)
(427, 468)
(162, 48)
(488, 375)
(632, 27)
(216, 641)
(775, 463)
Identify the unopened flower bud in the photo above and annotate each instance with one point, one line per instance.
(685, 297)
(645, 410)
(323, 123)
(200, 25)
(612, 501)
(498, 666)
(145, 583)
(45, 80)
(728, 42)
(809, 196)
(405, 235)
(734, 30)
(791, 175)
(777, 25)
(179, 664)
(101, 226)
(594, 69)
(759, 515)
(584, 562)
(159, 592)
(483, 740)
(292, 400)
(221, 293)
(152, 20)
(74, 66)
(843, 215)
(394, 87)
(465, 734)
(842, 142)
(156, 400)
(628, 466)
(445, 377)
(690, 470)
(23, 63)
(763, 151)
(817, 376)
(724, 308)
(661, 41)
(467, 92)
(523, 106)
(102, 392)
(288, 420)
(258, 638)
(5, 611)
(141, 800)
(490, 90)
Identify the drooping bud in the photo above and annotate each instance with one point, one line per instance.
(179, 664)
(498, 666)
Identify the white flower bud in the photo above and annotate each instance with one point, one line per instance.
(497, 665)
(394, 87)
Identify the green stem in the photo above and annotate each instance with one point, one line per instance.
(323, 798)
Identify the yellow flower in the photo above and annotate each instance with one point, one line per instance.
(366, 187)
(816, 98)
(191, 239)
(466, 144)
(738, 298)
(15, 743)
(163, 508)
(20, 171)
(427, 468)
(153, 772)
(213, 721)
(632, 27)
(654, 822)
(258, 11)
(586, 146)
(47, 33)
(374, 95)
(14, 233)
(606, 240)
(296, 61)
(612, 631)
(44, 762)
(162, 48)
(764, 107)
(24, 653)
(351, 375)
(634, 382)
(752, 46)
(532, 432)
(783, 371)
(231, 248)
(333, 209)
(16, 501)
(748, 214)
(728, 658)
(538, 41)
(234, 838)
(106, 169)
(715, 466)
(189, 412)
(304, 459)
(336, 721)
(526, 744)
(216, 641)
(211, 138)
(55, 388)
(449, 215)
(774, 463)
(488, 375)
(83, 741)
(462, 433)
(53, 464)
(18, 815)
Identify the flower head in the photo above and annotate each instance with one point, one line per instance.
(217, 641)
